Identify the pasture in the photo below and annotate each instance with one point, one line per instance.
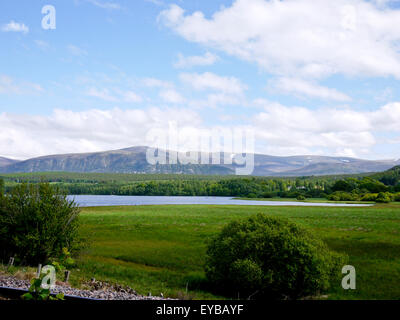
(162, 248)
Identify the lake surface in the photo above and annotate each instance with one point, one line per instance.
(99, 201)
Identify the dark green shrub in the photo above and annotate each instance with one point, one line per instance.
(384, 197)
(343, 196)
(267, 257)
(267, 195)
(300, 197)
(36, 223)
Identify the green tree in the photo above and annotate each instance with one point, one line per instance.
(36, 223)
(272, 258)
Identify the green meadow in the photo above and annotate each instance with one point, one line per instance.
(162, 248)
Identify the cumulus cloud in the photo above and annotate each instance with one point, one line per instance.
(13, 26)
(339, 130)
(65, 131)
(279, 129)
(302, 87)
(188, 62)
(304, 38)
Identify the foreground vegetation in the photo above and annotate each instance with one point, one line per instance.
(162, 248)
(37, 223)
(271, 258)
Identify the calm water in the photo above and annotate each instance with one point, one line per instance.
(98, 201)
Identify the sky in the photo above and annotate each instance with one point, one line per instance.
(309, 77)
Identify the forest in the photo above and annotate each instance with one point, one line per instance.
(379, 187)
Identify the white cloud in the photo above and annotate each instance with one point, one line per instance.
(15, 27)
(171, 96)
(103, 94)
(280, 130)
(130, 96)
(65, 131)
(339, 130)
(188, 62)
(211, 81)
(156, 83)
(159, 2)
(302, 87)
(304, 38)
(42, 44)
(9, 85)
(114, 95)
(76, 51)
(105, 5)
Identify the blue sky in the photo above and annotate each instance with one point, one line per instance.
(309, 77)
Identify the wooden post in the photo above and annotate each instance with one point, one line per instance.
(39, 270)
(11, 262)
(67, 273)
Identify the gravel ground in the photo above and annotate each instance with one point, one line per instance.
(99, 290)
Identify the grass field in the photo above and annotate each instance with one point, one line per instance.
(161, 248)
(312, 200)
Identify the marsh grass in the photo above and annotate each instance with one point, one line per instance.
(162, 248)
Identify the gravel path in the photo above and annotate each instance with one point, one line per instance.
(100, 290)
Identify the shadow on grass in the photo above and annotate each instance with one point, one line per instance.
(360, 248)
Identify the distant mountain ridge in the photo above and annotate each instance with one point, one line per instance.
(133, 160)
(5, 161)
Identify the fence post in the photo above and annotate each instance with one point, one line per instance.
(67, 273)
(39, 270)
(11, 262)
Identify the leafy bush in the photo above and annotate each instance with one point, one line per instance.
(300, 197)
(343, 196)
(268, 195)
(64, 261)
(369, 197)
(267, 257)
(36, 223)
(384, 197)
(396, 197)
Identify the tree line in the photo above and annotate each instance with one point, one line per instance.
(381, 187)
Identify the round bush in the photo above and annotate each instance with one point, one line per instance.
(266, 257)
(36, 223)
(384, 197)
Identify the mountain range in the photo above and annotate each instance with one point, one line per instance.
(133, 160)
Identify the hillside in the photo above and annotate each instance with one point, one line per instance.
(390, 177)
(5, 161)
(133, 160)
